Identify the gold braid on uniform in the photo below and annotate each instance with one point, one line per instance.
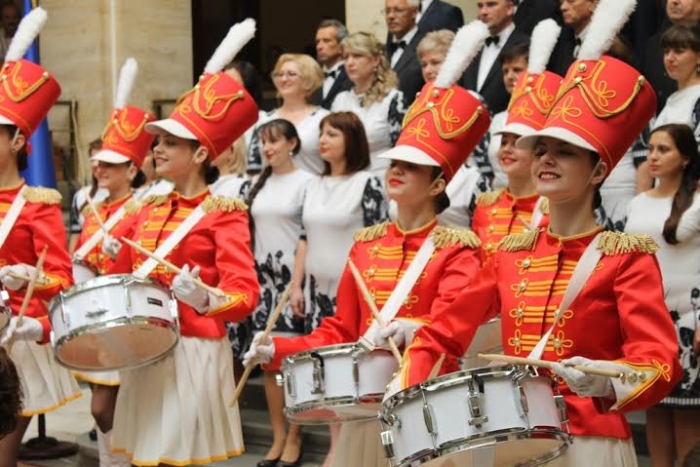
(223, 204)
(157, 200)
(544, 206)
(132, 207)
(519, 242)
(373, 232)
(613, 243)
(445, 237)
(38, 194)
(490, 197)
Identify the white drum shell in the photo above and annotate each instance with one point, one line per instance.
(82, 273)
(351, 387)
(113, 322)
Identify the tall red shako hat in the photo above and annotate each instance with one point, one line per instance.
(536, 89)
(603, 103)
(27, 91)
(125, 138)
(218, 109)
(446, 122)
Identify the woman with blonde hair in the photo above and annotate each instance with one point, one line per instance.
(296, 78)
(432, 50)
(374, 96)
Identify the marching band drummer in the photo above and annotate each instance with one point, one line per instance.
(176, 411)
(518, 208)
(125, 146)
(31, 221)
(614, 317)
(428, 153)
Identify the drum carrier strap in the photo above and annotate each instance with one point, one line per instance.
(12, 214)
(583, 270)
(537, 214)
(400, 292)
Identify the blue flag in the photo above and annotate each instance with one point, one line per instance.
(40, 170)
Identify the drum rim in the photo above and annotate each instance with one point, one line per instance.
(343, 401)
(513, 434)
(84, 330)
(347, 348)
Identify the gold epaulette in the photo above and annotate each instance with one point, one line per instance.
(445, 237)
(156, 200)
(39, 194)
(490, 197)
(544, 206)
(519, 242)
(223, 204)
(132, 207)
(613, 243)
(372, 232)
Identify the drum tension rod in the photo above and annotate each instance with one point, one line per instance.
(319, 374)
(474, 400)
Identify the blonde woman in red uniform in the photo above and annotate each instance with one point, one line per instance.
(618, 320)
(176, 411)
(31, 221)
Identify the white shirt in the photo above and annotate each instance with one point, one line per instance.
(490, 53)
(580, 37)
(330, 80)
(407, 38)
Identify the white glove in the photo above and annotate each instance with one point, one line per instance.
(14, 283)
(30, 330)
(401, 330)
(259, 352)
(584, 385)
(187, 290)
(111, 246)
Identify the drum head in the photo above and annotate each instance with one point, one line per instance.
(117, 345)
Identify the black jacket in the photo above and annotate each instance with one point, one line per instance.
(441, 15)
(531, 12)
(408, 70)
(341, 83)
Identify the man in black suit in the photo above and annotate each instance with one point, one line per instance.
(436, 14)
(485, 75)
(576, 15)
(404, 37)
(531, 12)
(329, 35)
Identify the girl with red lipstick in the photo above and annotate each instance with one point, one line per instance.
(570, 293)
(670, 213)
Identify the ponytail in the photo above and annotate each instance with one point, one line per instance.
(259, 184)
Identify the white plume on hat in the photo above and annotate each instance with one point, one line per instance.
(544, 38)
(467, 43)
(30, 27)
(608, 19)
(127, 76)
(237, 37)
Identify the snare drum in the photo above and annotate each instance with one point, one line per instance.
(5, 311)
(497, 416)
(82, 272)
(486, 340)
(113, 322)
(335, 384)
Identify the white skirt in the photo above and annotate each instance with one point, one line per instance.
(46, 385)
(588, 451)
(359, 444)
(103, 378)
(176, 411)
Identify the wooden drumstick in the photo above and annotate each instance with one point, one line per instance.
(30, 291)
(436, 368)
(266, 334)
(164, 262)
(93, 209)
(547, 364)
(373, 308)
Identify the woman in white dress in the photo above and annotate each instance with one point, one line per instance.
(374, 96)
(670, 213)
(296, 78)
(276, 201)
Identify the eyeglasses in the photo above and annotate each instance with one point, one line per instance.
(288, 74)
(394, 10)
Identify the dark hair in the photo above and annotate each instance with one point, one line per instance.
(95, 144)
(597, 197)
(679, 36)
(211, 173)
(273, 129)
(341, 32)
(10, 394)
(684, 139)
(514, 52)
(139, 179)
(620, 50)
(356, 145)
(251, 78)
(442, 201)
(22, 155)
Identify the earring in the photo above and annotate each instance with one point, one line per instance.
(697, 68)
(291, 153)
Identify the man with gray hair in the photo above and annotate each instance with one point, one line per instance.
(404, 36)
(329, 35)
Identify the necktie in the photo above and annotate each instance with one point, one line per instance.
(577, 46)
(330, 74)
(492, 40)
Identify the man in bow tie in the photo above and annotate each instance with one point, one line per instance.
(576, 15)
(402, 41)
(485, 75)
(329, 37)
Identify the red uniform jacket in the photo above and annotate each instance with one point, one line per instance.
(382, 254)
(40, 223)
(619, 315)
(219, 244)
(498, 213)
(96, 259)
